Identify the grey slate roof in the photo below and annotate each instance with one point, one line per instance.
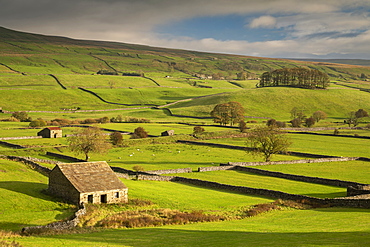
(91, 176)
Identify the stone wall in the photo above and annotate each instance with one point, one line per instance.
(319, 160)
(171, 171)
(65, 157)
(20, 137)
(11, 145)
(56, 226)
(42, 169)
(315, 180)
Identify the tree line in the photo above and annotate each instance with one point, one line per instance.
(295, 77)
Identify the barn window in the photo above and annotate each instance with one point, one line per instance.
(90, 199)
(117, 195)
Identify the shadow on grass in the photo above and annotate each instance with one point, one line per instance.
(28, 188)
(159, 237)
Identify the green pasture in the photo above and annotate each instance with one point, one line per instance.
(153, 95)
(22, 203)
(330, 145)
(265, 182)
(38, 82)
(350, 132)
(314, 144)
(157, 128)
(104, 81)
(54, 100)
(304, 228)
(278, 102)
(186, 197)
(356, 171)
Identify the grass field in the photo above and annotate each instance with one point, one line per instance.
(320, 227)
(26, 62)
(23, 204)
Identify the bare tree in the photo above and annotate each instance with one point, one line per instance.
(88, 140)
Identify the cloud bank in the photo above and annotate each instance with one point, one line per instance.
(309, 27)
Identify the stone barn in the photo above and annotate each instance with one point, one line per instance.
(50, 132)
(168, 133)
(87, 182)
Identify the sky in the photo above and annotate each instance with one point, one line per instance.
(266, 28)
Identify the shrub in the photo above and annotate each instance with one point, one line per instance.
(336, 132)
(139, 132)
(22, 116)
(198, 130)
(116, 138)
(280, 124)
(38, 123)
(271, 122)
(296, 123)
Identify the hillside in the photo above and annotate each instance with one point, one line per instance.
(44, 73)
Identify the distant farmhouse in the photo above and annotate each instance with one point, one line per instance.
(50, 132)
(87, 182)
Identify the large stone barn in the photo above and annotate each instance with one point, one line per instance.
(87, 182)
(50, 132)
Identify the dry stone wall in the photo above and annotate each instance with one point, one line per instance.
(56, 226)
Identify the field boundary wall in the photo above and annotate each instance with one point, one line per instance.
(56, 226)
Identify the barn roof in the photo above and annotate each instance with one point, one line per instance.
(53, 128)
(91, 176)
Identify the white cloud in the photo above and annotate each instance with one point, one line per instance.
(265, 21)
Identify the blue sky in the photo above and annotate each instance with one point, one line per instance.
(268, 28)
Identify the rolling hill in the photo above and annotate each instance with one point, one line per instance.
(46, 73)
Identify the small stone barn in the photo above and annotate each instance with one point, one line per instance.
(87, 182)
(50, 132)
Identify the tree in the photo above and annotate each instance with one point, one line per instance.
(21, 116)
(242, 126)
(221, 114)
(231, 112)
(137, 169)
(309, 122)
(268, 141)
(354, 117)
(319, 115)
(297, 113)
(139, 132)
(351, 119)
(360, 113)
(116, 138)
(88, 140)
(296, 123)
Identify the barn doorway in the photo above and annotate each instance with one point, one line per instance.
(90, 199)
(103, 198)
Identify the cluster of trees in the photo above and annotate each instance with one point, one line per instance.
(39, 122)
(299, 118)
(295, 77)
(93, 140)
(355, 116)
(228, 113)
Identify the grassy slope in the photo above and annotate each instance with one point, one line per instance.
(278, 102)
(23, 204)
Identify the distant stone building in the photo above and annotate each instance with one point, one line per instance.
(87, 182)
(50, 132)
(168, 133)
